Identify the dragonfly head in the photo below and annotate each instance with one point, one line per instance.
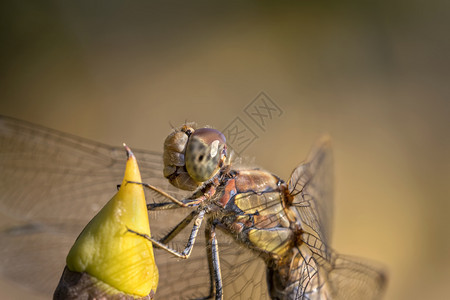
(193, 156)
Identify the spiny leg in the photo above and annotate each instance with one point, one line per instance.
(190, 244)
(210, 262)
(175, 203)
(161, 192)
(171, 205)
(212, 250)
(180, 226)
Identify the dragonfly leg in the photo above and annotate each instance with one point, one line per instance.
(212, 251)
(210, 262)
(175, 203)
(190, 244)
(162, 193)
(180, 226)
(171, 205)
(162, 206)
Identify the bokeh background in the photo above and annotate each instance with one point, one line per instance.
(372, 74)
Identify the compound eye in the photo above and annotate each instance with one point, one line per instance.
(204, 153)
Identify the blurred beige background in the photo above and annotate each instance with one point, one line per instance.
(373, 75)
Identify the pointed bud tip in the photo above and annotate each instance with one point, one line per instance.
(129, 152)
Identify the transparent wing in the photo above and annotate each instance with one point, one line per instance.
(318, 272)
(245, 272)
(337, 277)
(311, 184)
(355, 278)
(44, 170)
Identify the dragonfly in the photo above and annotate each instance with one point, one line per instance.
(264, 238)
